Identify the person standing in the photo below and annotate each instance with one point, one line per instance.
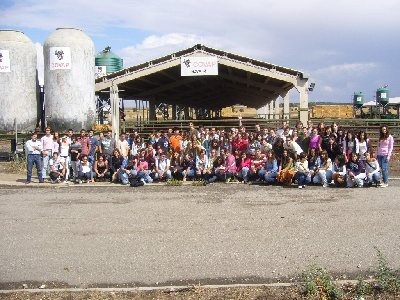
(107, 145)
(93, 147)
(85, 142)
(47, 150)
(123, 146)
(384, 153)
(34, 150)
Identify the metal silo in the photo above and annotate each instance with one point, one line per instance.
(358, 100)
(18, 81)
(69, 79)
(110, 60)
(382, 96)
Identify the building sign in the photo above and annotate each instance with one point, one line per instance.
(199, 66)
(5, 61)
(100, 71)
(60, 58)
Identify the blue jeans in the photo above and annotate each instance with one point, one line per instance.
(45, 163)
(243, 173)
(145, 176)
(374, 178)
(384, 164)
(37, 160)
(270, 177)
(302, 179)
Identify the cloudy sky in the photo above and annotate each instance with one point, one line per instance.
(345, 45)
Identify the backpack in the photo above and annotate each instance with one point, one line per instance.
(135, 182)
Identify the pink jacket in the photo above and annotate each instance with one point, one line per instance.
(230, 164)
(385, 147)
(244, 163)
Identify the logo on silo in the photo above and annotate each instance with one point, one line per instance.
(4, 61)
(60, 58)
(59, 54)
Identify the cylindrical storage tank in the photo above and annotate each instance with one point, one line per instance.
(69, 80)
(358, 100)
(110, 60)
(382, 96)
(18, 81)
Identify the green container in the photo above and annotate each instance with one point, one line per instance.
(358, 100)
(382, 96)
(109, 59)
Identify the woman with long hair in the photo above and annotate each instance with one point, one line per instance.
(384, 152)
(350, 144)
(363, 145)
(323, 174)
(286, 169)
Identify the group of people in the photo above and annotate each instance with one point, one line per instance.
(303, 155)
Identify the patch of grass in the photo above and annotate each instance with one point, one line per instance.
(387, 279)
(198, 182)
(174, 182)
(17, 165)
(319, 284)
(361, 289)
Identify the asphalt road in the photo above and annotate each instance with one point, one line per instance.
(113, 236)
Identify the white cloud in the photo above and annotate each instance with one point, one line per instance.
(155, 46)
(354, 68)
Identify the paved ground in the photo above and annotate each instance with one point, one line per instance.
(156, 235)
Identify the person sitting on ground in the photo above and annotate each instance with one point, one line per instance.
(128, 172)
(323, 174)
(230, 166)
(218, 170)
(101, 169)
(189, 167)
(339, 171)
(257, 164)
(117, 161)
(286, 169)
(354, 175)
(163, 171)
(143, 168)
(314, 162)
(302, 171)
(270, 168)
(176, 168)
(202, 164)
(57, 168)
(372, 169)
(244, 168)
(85, 170)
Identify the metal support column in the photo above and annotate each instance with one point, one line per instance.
(114, 98)
(277, 109)
(286, 109)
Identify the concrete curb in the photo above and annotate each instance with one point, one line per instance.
(174, 288)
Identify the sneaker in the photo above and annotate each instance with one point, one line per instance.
(142, 180)
(300, 186)
(228, 180)
(325, 185)
(384, 185)
(28, 182)
(79, 181)
(304, 186)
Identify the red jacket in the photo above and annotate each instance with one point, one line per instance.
(244, 163)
